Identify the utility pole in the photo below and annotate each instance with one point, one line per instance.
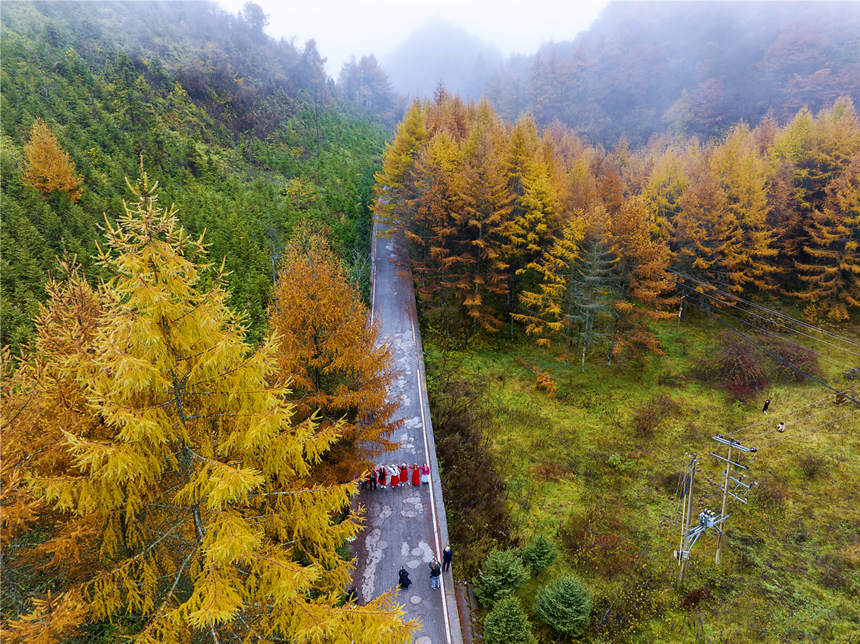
(683, 552)
(740, 486)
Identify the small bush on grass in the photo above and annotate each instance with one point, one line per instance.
(539, 554)
(652, 413)
(565, 606)
(738, 366)
(596, 539)
(812, 465)
(507, 624)
(501, 574)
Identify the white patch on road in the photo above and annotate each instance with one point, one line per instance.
(375, 545)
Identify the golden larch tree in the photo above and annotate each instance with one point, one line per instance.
(831, 275)
(337, 369)
(46, 166)
(549, 308)
(392, 182)
(645, 288)
(42, 398)
(483, 206)
(203, 521)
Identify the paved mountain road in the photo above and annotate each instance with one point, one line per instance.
(406, 526)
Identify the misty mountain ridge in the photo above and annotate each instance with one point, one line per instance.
(440, 51)
(650, 68)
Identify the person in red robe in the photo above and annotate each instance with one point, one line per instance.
(404, 473)
(416, 474)
(395, 476)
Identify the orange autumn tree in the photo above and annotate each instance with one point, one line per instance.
(201, 522)
(337, 369)
(479, 218)
(645, 288)
(43, 397)
(831, 275)
(47, 167)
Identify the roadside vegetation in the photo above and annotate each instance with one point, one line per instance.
(593, 465)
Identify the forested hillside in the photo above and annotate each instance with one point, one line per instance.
(592, 318)
(247, 133)
(503, 222)
(686, 68)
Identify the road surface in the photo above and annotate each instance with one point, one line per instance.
(406, 526)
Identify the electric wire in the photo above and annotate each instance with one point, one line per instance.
(767, 310)
(783, 361)
(773, 334)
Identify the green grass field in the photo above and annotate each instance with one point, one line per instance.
(583, 471)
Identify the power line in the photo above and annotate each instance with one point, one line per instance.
(773, 333)
(788, 364)
(783, 339)
(767, 310)
(791, 412)
(783, 361)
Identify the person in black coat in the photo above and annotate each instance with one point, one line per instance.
(447, 553)
(404, 582)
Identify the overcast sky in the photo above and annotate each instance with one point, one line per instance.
(358, 27)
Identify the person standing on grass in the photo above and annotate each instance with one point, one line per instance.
(435, 572)
(447, 553)
(766, 405)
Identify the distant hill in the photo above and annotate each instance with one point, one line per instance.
(440, 51)
(690, 68)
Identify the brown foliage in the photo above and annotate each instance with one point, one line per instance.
(47, 167)
(652, 413)
(330, 355)
(596, 539)
(694, 597)
(545, 382)
(474, 489)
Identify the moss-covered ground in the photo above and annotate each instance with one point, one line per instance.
(595, 466)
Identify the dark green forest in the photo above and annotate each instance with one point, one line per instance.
(246, 134)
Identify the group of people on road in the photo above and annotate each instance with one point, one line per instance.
(436, 570)
(395, 475)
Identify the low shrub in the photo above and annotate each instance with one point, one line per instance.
(539, 554)
(501, 574)
(738, 366)
(507, 623)
(695, 597)
(596, 539)
(771, 493)
(565, 606)
(652, 413)
(475, 497)
(545, 382)
(811, 465)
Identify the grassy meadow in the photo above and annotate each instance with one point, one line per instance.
(592, 461)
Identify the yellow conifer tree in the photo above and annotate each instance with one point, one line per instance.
(337, 369)
(47, 167)
(831, 276)
(204, 522)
